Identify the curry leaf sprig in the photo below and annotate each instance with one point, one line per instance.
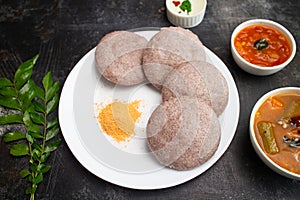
(34, 108)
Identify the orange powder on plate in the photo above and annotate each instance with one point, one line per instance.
(118, 119)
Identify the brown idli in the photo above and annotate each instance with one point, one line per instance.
(167, 49)
(198, 79)
(183, 133)
(119, 57)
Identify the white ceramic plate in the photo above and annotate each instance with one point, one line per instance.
(128, 164)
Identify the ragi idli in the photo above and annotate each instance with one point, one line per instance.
(183, 133)
(119, 57)
(198, 79)
(167, 49)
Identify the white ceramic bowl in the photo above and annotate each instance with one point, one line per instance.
(255, 69)
(275, 167)
(178, 18)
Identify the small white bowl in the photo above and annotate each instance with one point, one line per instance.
(179, 18)
(255, 69)
(275, 167)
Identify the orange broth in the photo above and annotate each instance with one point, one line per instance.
(273, 110)
(277, 52)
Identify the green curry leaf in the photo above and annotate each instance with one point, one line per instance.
(186, 6)
(52, 146)
(10, 102)
(261, 44)
(52, 132)
(47, 81)
(24, 173)
(24, 72)
(11, 119)
(13, 136)
(8, 92)
(19, 150)
(4, 82)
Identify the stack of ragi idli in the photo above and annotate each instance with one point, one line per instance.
(183, 132)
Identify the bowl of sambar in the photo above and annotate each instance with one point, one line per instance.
(275, 130)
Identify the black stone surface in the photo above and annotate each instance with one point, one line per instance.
(62, 31)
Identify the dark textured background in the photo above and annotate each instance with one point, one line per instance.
(62, 31)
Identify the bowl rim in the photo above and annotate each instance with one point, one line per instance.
(266, 22)
(187, 16)
(254, 141)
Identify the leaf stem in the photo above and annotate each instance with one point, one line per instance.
(32, 196)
